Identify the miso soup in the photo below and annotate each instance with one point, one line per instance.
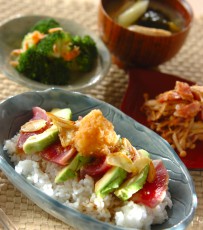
(159, 15)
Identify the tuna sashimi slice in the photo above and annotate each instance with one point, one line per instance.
(95, 169)
(58, 154)
(153, 193)
(38, 113)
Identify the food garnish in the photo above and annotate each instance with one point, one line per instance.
(177, 115)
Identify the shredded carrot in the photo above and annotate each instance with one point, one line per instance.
(14, 63)
(70, 55)
(16, 52)
(26, 46)
(37, 36)
(52, 30)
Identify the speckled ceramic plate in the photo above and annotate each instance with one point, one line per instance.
(13, 30)
(15, 111)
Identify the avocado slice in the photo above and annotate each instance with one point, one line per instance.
(144, 153)
(110, 181)
(70, 171)
(63, 113)
(132, 185)
(39, 142)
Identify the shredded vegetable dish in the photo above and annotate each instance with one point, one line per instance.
(177, 115)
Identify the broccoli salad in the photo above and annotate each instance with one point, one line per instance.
(50, 55)
(86, 165)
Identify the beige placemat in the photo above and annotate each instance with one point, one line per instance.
(188, 64)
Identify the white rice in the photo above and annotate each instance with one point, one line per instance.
(80, 195)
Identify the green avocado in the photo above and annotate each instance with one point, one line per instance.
(63, 113)
(110, 181)
(132, 185)
(70, 171)
(144, 153)
(39, 142)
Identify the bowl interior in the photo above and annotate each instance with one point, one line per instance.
(181, 7)
(140, 49)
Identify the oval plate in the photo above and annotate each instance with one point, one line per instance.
(12, 32)
(16, 111)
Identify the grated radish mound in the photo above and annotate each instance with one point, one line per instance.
(95, 134)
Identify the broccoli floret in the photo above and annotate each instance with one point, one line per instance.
(51, 58)
(60, 44)
(27, 41)
(31, 39)
(38, 67)
(88, 54)
(43, 62)
(54, 44)
(44, 25)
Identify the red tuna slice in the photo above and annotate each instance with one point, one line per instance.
(38, 113)
(153, 193)
(95, 169)
(58, 154)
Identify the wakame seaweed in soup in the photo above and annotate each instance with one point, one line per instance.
(159, 15)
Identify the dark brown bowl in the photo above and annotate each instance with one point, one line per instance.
(137, 49)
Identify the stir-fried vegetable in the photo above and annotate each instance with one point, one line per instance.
(178, 116)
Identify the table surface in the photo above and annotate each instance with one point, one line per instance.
(187, 64)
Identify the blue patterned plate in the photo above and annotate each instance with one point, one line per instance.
(16, 111)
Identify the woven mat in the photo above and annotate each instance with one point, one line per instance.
(188, 64)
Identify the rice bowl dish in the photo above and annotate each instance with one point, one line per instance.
(80, 195)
